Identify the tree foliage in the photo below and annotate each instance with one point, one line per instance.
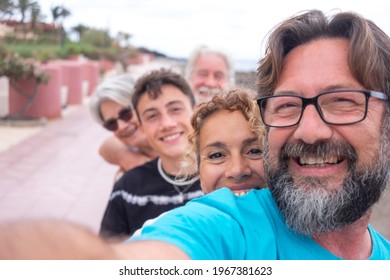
(15, 67)
(59, 12)
(34, 38)
(7, 8)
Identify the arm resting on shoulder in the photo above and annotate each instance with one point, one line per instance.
(112, 150)
(115, 152)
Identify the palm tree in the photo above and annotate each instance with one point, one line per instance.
(80, 30)
(60, 12)
(123, 38)
(35, 14)
(6, 8)
(23, 6)
(55, 13)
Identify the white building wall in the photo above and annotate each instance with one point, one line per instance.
(4, 96)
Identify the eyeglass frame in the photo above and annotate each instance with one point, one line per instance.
(314, 101)
(126, 109)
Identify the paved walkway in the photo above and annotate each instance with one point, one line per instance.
(56, 172)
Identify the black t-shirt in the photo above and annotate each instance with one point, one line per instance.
(139, 195)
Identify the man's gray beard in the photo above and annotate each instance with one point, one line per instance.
(309, 205)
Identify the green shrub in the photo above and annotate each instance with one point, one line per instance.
(15, 67)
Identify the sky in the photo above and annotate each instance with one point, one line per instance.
(176, 27)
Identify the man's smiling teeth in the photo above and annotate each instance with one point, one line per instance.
(308, 160)
(244, 192)
(171, 137)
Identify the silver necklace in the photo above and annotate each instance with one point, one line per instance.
(176, 184)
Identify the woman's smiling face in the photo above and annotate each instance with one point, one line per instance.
(230, 154)
(128, 131)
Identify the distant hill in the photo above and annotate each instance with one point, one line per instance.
(159, 54)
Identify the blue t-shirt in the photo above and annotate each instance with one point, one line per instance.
(222, 225)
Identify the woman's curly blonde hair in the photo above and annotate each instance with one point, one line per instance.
(234, 99)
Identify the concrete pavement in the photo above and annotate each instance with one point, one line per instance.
(55, 171)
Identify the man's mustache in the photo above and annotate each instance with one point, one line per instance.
(209, 90)
(323, 149)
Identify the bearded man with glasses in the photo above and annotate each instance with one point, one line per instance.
(327, 164)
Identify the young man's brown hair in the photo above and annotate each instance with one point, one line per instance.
(152, 82)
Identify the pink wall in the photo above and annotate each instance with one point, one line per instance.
(73, 79)
(91, 75)
(48, 100)
(75, 76)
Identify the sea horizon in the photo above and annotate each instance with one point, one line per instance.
(245, 65)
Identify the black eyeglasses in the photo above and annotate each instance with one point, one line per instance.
(125, 114)
(337, 107)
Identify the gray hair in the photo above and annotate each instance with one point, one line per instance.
(189, 69)
(118, 89)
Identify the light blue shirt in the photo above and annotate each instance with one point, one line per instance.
(222, 225)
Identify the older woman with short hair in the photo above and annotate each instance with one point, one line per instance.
(111, 107)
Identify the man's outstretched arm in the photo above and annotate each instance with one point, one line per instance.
(58, 240)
